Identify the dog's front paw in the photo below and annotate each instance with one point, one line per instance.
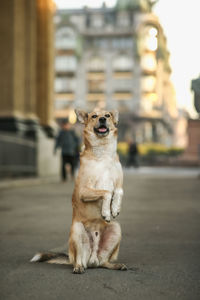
(106, 216)
(116, 202)
(105, 211)
(115, 210)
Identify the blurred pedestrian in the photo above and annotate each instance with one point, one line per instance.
(68, 141)
(133, 155)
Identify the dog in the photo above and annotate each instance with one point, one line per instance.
(94, 239)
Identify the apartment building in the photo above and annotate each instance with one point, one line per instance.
(116, 58)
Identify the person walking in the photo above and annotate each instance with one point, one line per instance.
(68, 141)
(133, 155)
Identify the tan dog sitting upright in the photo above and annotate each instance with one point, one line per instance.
(94, 240)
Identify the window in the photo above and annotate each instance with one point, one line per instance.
(148, 62)
(150, 38)
(148, 83)
(102, 43)
(123, 84)
(96, 64)
(123, 19)
(123, 63)
(65, 38)
(64, 84)
(97, 21)
(61, 104)
(150, 97)
(122, 43)
(65, 63)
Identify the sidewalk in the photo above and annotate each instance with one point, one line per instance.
(160, 242)
(165, 171)
(144, 171)
(29, 181)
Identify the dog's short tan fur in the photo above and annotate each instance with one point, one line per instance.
(94, 239)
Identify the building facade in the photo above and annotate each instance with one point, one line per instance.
(116, 58)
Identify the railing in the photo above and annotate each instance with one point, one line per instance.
(17, 156)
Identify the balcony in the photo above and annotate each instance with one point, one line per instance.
(123, 74)
(59, 97)
(121, 96)
(95, 97)
(96, 75)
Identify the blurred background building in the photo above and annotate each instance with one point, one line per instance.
(116, 58)
(53, 61)
(192, 152)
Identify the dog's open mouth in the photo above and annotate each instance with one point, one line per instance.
(101, 130)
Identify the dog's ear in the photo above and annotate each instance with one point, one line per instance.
(82, 116)
(115, 115)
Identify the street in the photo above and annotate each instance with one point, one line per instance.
(160, 222)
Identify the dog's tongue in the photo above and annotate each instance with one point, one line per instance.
(102, 129)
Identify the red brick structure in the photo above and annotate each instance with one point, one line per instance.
(192, 153)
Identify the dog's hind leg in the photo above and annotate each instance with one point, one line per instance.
(114, 254)
(79, 248)
(109, 247)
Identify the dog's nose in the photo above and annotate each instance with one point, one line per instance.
(102, 120)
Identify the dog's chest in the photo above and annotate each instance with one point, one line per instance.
(104, 173)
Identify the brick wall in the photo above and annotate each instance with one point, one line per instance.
(192, 152)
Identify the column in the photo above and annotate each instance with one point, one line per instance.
(17, 64)
(45, 61)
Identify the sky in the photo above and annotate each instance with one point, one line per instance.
(181, 23)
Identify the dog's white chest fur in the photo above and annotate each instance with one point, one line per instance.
(106, 174)
(103, 174)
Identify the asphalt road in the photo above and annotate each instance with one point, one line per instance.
(161, 242)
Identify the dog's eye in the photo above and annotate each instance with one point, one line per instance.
(94, 116)
(107, 116)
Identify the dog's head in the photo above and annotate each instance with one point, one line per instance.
(101, 123)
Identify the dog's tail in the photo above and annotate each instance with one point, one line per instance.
(51, 258)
